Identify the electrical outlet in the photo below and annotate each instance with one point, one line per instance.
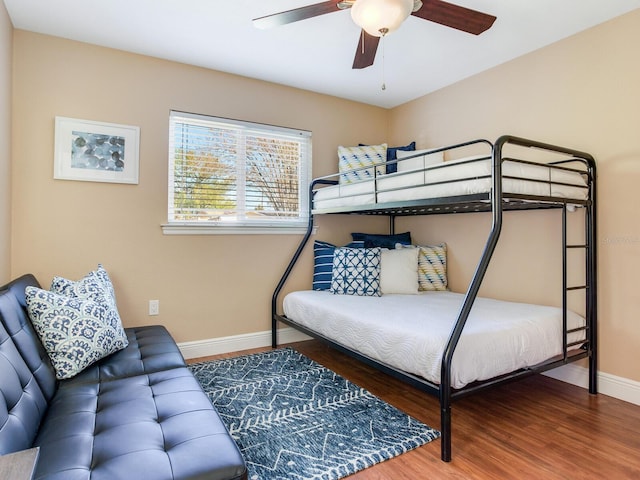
(154, 307)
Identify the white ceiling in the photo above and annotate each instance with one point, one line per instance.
(315, 54)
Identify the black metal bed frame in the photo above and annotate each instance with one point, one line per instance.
(495, 202)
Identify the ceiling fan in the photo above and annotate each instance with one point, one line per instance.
(391, 12)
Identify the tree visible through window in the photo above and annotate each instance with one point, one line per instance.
(234, 173)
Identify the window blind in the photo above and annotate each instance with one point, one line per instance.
(235, 173)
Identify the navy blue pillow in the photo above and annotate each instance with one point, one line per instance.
(384, 241)
(392, 155)
(323, 263)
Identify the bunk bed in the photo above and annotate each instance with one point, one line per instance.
(493, 181)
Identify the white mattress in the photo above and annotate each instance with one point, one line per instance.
(409, 332)
(404, 186)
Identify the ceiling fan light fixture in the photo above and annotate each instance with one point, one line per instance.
(379, 17)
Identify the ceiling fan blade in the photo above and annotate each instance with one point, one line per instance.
(366, 52)
(455, 16)
(296, 14)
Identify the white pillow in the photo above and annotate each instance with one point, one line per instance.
(420, 162)
(399, 271)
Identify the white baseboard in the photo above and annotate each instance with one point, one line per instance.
(617, 387)
(236, 343)
(611, 385)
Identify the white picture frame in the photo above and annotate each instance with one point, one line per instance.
(96, 151)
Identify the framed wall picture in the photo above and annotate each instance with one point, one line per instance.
(96, 151)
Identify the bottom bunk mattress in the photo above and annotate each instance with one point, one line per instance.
(409, 332)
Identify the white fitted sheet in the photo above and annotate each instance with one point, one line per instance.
(404, 186)
(409, 332)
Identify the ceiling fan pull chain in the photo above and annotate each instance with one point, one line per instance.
(384, 32)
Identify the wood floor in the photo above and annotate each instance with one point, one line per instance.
(535, 428)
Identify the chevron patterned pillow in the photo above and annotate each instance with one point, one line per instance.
(432, 268)
(352, 159)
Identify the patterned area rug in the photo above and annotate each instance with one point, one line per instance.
(292, 418)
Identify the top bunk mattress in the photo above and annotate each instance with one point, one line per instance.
(467, 176)
(409, 332)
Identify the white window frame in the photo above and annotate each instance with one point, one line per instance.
(242, 225)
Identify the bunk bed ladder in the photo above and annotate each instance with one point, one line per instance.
(589, 287)
(566, 289)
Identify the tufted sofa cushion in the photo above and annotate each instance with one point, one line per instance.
(150, 349)
(156, 426)
(139, 413)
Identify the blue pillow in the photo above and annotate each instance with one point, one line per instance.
(356, 271)
(97, 287)
(392, 155)
(323, 263)
(75, 332)
(384, 241)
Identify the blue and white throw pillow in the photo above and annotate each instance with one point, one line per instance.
(101, 274)
(95, 286)
(353, 160)
(356, 271)
(432, 267)
(323, 263)
(73, 331)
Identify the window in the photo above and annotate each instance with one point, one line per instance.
(229, 176)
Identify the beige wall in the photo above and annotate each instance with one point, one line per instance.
(6, 46)
(583, 92)
(208, 286)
